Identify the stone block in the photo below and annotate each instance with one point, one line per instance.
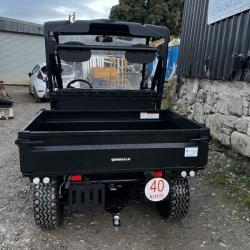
(241, 125)
(213, 122)
(245, 111)
(227, 131)
(205, 84)
(225, 139)
(237, 85)
(211, 98)
(235, 105)
(182, 106)
(202, 84)
(191, 97)
(198, 113)
(228, 121)
(245, 103)
(241, 143)
(190, 88)
(207, 109)
(201, 95)
(195, 86)
(214, 110)
(182, 90)
(222, 107)
(248, 129)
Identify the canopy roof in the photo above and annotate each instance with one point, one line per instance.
(106, 27)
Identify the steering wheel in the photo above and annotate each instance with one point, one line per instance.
(79, 80)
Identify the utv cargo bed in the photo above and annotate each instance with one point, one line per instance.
(83, 142)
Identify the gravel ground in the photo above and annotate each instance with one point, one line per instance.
(213, 222)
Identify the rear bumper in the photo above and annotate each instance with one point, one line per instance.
(104, 193)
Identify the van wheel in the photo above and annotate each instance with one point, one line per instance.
(37, 98)
(48, 213)
(30, 93)
(177, 205)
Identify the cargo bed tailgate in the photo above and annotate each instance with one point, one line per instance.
(106, 151)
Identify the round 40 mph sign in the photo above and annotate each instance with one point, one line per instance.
(157, 189)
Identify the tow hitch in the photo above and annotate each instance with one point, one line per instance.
(116, 220)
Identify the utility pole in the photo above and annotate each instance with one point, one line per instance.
(72, 18)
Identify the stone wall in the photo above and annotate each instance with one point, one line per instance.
(222, 106)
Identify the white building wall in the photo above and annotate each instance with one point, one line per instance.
(19, 53)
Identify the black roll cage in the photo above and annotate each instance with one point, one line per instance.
(52, 31)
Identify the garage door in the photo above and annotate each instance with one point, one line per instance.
(19, 53)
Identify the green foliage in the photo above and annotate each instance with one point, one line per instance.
(236, 186)
(221, 179)
(160, 12)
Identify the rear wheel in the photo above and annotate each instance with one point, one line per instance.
(177, 205)
(48, 212)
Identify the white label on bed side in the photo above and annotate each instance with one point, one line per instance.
(146, 115)
(191, 152)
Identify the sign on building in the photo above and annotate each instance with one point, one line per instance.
(221, 9)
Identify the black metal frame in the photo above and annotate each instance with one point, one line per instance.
(52, 31)
(96, 47)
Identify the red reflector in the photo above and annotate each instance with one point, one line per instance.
(158, 174)
(76, 177)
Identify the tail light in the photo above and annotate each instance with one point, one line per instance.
(76, 178)
(157, 174)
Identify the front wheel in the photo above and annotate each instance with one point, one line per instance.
(30, 93)
(37, 98)
(48, 213)
(177, 205)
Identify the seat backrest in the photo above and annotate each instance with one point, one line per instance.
(79, 99)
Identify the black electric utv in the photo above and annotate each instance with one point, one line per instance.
(106, 141)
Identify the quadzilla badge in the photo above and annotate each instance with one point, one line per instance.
(121, 159)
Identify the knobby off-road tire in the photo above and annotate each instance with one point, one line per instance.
(48, 213)
(176, 207)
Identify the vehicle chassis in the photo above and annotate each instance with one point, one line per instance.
(99, 148)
